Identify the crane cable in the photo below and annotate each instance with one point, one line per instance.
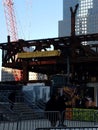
(19, 24)
(28, 10)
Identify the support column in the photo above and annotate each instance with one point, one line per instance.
(73, 40)
(73, 16)
(68, 66)
(25, 71)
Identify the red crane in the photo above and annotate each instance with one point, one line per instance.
(12, 29)
(10, 19)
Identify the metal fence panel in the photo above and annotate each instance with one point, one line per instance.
(73, 128)
(42, 120)
(8, 125)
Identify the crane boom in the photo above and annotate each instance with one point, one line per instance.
(10, 19)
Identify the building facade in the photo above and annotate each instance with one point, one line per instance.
(86, 17)
(9, 74)
(65, 24)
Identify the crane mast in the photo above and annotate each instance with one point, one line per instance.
(12, 31)
(10, 19)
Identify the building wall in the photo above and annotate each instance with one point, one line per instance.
(9, 74)
(86, 17)
(64, 25)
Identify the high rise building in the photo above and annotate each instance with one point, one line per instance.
(86, 17)
(65, 24)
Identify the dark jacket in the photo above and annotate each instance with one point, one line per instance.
(61, 103)
(52, 105)
(52, 110)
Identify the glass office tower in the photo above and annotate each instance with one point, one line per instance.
(65, 24)
(86, 17)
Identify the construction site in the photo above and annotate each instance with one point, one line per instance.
(64, 62)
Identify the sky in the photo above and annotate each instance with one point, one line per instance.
(35, 19)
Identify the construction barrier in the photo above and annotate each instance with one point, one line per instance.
(32, 121)
(65, 128)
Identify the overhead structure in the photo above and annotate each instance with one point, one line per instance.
(83, 59)
(38, 54)
(82, 66)
(10, 19)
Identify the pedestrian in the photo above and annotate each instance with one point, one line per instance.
(51, 109)
(62, 108)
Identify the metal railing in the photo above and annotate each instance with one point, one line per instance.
(65, 128)
(50, 120)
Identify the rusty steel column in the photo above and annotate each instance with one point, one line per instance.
(73, 15)
(25, 71)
